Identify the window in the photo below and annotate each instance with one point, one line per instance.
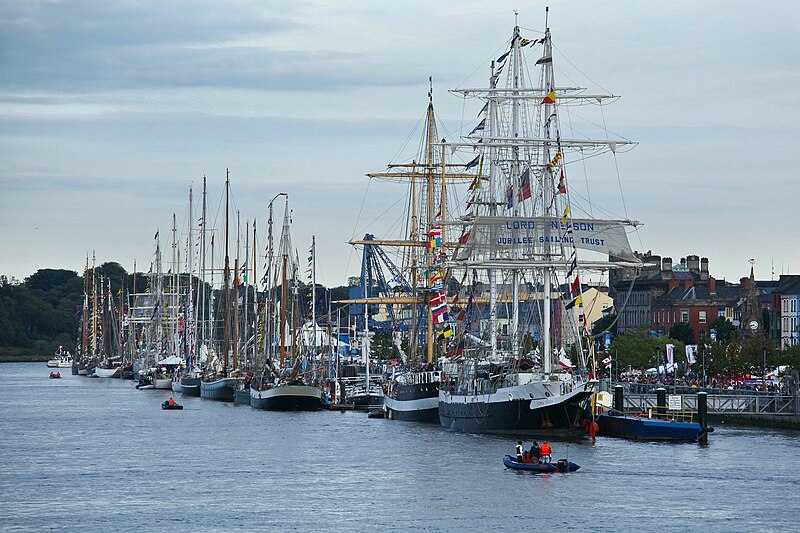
(702, 317)
(684, 315)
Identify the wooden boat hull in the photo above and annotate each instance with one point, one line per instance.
(646, 429)
(220, 390)
(287, 398)
(546, 468)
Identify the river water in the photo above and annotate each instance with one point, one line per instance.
(83, 454)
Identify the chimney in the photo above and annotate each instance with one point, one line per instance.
(666, 267)
(693, 262)
(712, 286)
(704, 268)
(744, 283)
(683, 261)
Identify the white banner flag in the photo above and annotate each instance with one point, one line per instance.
(670, 354)
(691, 354)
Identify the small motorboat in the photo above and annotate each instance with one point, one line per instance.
(170, 405)
(55, 375)
(562, 465)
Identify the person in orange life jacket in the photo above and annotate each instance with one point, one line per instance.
(519, 451)
(544, 452)
(172, 401)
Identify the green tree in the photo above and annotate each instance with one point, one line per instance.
(636, 348)
(725, 331)
(608, 322)
(682, 332)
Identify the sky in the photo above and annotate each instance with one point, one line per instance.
(111, 111)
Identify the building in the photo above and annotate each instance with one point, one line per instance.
(665, 294)
(788, 310)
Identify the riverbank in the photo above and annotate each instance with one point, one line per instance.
(24, 358)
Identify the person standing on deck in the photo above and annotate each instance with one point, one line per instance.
(545, 452)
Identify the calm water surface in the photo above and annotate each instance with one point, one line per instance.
(84, 454)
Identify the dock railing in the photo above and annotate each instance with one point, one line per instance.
(752, 404)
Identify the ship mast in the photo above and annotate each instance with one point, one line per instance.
(226, 281)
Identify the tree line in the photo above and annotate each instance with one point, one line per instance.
(43, 312)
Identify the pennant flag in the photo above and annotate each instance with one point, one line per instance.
(212, 239)
(462, 315)
(556, 159)
(445, 333)
(562, 187)
(564, 361)
(566, 214)
(525, 186)
(573, 266)
(472, 163)
(493, 81)
(479, 127)
(509, 198)
(155, 236)
(543, 60)
(464, 238)
(607, 361)
(577, 301)
(483, 109)
(476, 183)
(551, 118)
(503, 57)
(526, 42)
(437, 298)
(575, 285)
(550, 98)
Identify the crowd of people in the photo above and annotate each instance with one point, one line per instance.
(714, 382)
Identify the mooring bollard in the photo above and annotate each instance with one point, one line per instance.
(702, 419)
(661, 401)
(619, 398)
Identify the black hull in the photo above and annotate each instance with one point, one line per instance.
(221, 390)
(190, 386)
(287, 398)
(514, 417)
(290, 403)
(428, 416)
(418, 402)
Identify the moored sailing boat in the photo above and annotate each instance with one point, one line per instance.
(520, 243)
(217, 382)
(283, 386)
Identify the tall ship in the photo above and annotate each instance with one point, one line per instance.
(528, 245)
(221, 377)
(414, 305)
(288, 379)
